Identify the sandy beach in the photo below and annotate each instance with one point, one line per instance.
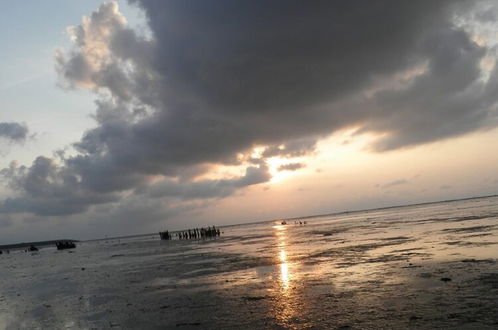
(430, 266)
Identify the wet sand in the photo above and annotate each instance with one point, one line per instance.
(420, 267)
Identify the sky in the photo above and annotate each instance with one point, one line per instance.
(119, 118)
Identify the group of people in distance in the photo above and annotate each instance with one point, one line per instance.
(196, 233)
(63, 245)
(295, 222)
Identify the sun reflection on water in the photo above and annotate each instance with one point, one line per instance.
(285, 275)
(284, 268)
(286, 302)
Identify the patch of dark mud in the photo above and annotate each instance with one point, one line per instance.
(471, 217)
(487, 261)
(468, 229)
(356, 249)
(195, 265)
(466, 243)
(411, 266)
(381, 259)
(389, 224)
(182, 324)
(373, 246)
(397, 238)
(407, 250)
(489, 279)
(385, 258)
(340, 295)
(331, 232)
(417, 254)
(454, 243)
(254, 241)
(459, 219)
(435, 220)
(241, 262)
(241, 239)
(254, 298)
(478, 235)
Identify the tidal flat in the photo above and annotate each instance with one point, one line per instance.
(431, 266)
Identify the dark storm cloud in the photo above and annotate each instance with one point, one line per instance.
(209, 188)
(294, 148)
(219, 78)
(48, 189)
(13, 131)
(447, 100)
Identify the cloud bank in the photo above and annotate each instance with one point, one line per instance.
(220, 79)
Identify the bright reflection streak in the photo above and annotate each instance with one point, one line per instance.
(284, 268)
(279, 228)
(283, 256)
(285, 275)
(286, 305)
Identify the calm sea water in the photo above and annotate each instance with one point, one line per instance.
(426, 266)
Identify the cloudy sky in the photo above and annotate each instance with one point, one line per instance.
(129, 117)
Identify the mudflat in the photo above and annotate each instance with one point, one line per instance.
(419, 267)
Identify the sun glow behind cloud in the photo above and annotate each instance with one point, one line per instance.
(345, 147)
(278, 175)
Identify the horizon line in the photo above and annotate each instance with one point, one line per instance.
(277, 219)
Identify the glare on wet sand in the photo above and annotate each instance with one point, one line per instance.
(426, 266)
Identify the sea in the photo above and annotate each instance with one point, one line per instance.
(427, 266)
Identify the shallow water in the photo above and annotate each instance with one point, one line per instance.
(422, 267)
